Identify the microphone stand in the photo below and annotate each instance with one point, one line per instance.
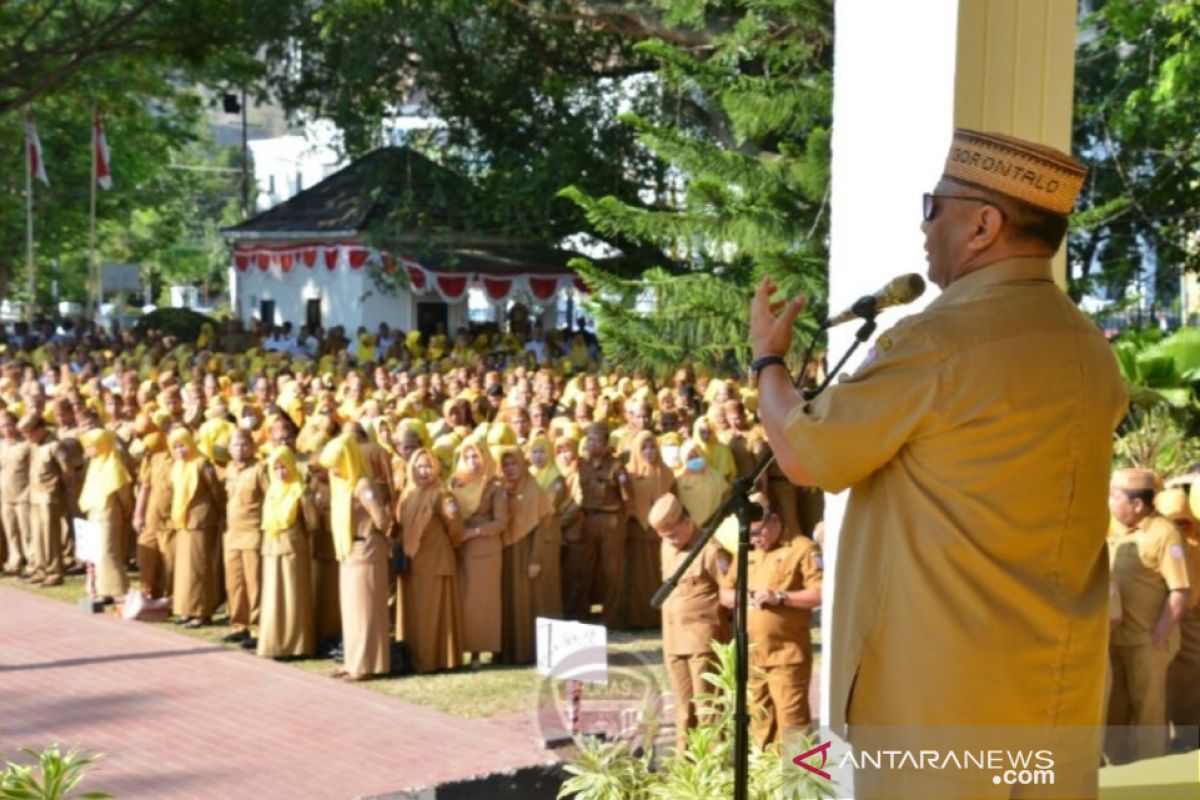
(738, 503)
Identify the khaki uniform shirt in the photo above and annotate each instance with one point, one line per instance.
(692, 615)
(45, 472)
(244, 492)
(14, 472)
(1148, 563)
(600, 485)
(780, 634)
(977, 443)
(155, 472)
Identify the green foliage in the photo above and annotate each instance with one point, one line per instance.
(182, 323)
(745, 196)
(53, 775)
(1137, 96)
(526, 92)
(1156, 437)
(613, 771)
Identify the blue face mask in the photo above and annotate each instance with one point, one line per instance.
(696, 464)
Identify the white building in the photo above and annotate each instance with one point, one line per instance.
(310, 260)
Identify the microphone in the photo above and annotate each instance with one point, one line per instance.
(896, 292)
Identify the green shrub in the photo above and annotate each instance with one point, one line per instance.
(615, 771)
(182, 323)
(52, 776)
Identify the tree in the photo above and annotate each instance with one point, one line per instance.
(529, 96)
(749, 151)
(1137, 96)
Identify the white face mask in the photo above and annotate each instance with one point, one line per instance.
(249, 423)
(670, 455)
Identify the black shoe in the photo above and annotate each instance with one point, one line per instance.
(249, 643)
(236, 636)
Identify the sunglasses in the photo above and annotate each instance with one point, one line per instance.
(929, 208)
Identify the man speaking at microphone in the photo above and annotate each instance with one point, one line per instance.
(971, 580)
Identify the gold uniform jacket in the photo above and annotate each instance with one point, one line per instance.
(971, 575)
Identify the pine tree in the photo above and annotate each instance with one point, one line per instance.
(749, 156)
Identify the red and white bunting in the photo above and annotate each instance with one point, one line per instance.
(452, 287)
(103, 174)
(33, 146)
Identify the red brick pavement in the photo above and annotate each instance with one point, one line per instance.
(180, 718)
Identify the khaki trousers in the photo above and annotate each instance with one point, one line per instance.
(45, 534)
(16, 533)
(243, 582)
(1183, 675)
(687, 680)
(779, 701)
(1139, 699)
(608, 531)
(580, 550)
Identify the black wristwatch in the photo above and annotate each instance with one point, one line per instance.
(759, 364)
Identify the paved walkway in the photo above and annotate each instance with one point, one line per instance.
(179, 718)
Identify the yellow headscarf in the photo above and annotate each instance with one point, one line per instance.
(212, 439)
(718, 455)
(500, 435)
(444, 448)
(342, 454)
(700, 492)
(185, 475)
(366, 349)
(528, 502)
(281, 506)
(647, 483)
(547, 475)
(106, 472)
(470, 495)
(418, 504)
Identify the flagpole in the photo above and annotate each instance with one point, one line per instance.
(29, 276)
(93, 299)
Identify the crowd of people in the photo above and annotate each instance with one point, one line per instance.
(338, 495)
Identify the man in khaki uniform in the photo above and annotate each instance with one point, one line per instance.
(1150, 571)
(784, 588)
(692, 615)
(976, 441)
(246, 483)
(14, 489)
(596, 566)
(47, 500)
(1183, 675)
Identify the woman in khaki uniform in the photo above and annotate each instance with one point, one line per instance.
(358, 519)
(430, 618)
(525, 549)
(701, 488)
(152, 515)
(649, 479)
(287, 624)
(570, 522)
(326, 592)
(483, 505)
(107, 499)
(196, 503)
(547, 589)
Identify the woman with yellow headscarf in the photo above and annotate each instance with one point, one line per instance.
(287, 623)
(429, 619)
(700, 487)
(526, 549)
(152, 514)
(547, 589)
(718, 455)
(196, 501)
(107, 500)
(358, 519)
(483, 506)
(649, 479)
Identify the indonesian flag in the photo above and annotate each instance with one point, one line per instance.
(103, 175)
(33, 145)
